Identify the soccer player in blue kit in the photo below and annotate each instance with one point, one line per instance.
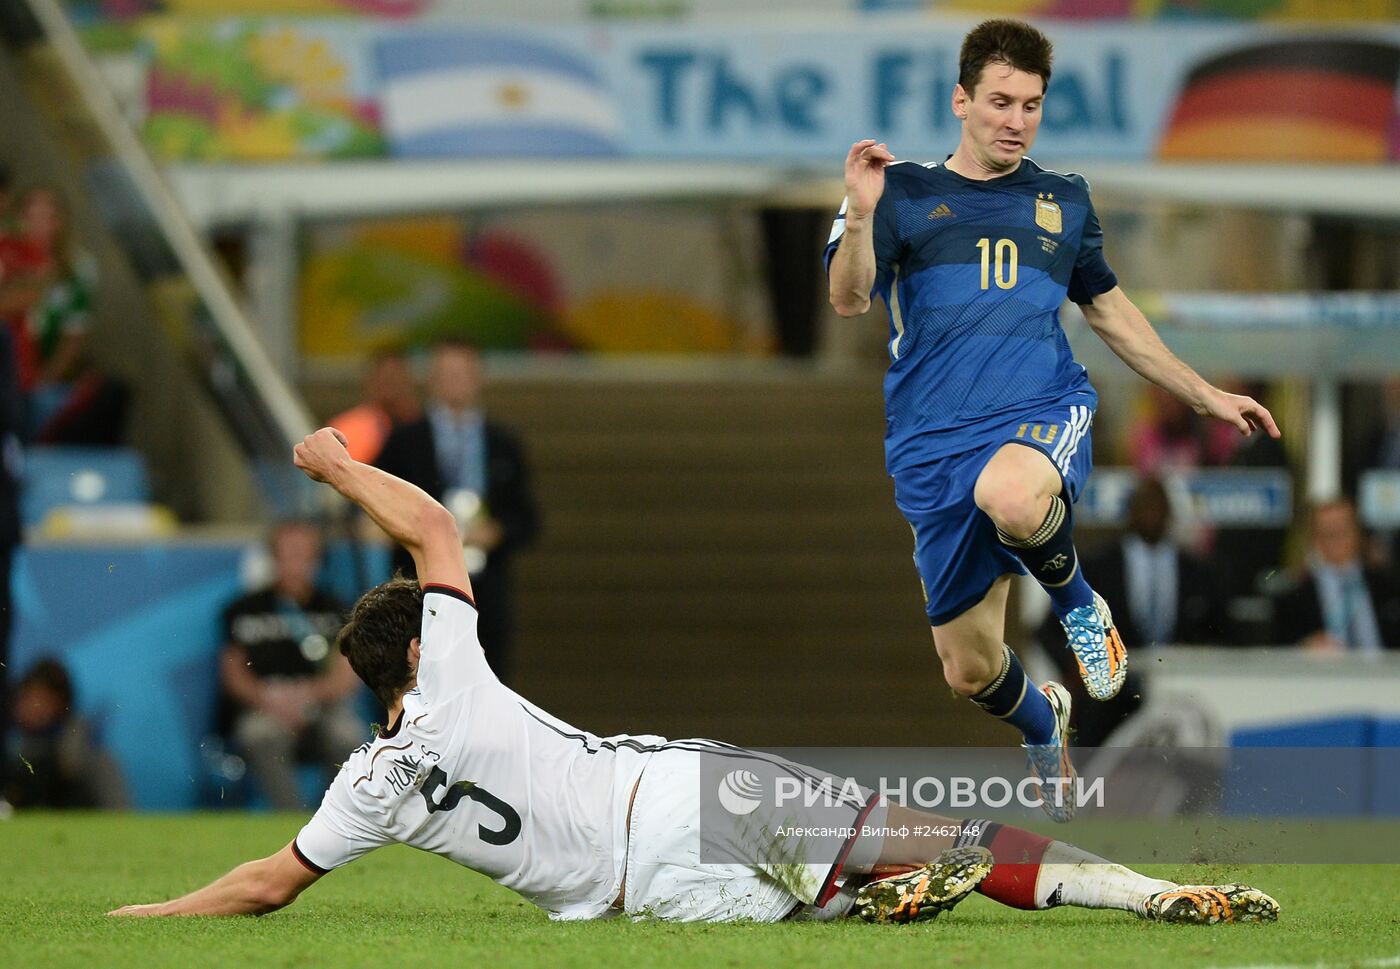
(988, 415)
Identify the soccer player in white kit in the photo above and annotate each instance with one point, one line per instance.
(585, 826)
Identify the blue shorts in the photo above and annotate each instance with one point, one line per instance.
(956, 548)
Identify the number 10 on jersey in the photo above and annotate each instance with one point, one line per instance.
(1004, 255)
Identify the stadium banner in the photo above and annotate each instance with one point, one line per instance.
(1378, 498)
(1213, 497)
(251, 89)
(1314, 11)
(90, 14)
(799, 811)
(1274, 311)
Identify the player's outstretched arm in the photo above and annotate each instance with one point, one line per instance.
(406, 512)
(1121, 325)
(852, 270)
(254, 888)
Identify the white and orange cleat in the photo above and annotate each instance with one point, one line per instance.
(1050, 762)
(920, 895)
(1102, 657)
(1211, 905)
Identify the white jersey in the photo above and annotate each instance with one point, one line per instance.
(475, 773)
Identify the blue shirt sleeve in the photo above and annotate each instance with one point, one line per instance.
(1092, 275)
(886, 240)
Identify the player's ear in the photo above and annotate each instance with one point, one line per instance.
(960, 101)
(414, 652)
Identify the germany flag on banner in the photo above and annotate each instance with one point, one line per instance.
(1298, 100)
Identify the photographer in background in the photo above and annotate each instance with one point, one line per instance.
(287, 693)
(63, 767)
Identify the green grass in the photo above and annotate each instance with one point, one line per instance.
(60, 873)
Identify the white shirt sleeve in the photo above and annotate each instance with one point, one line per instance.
(337, 833)
(450, 656)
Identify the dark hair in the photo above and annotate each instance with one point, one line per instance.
(63, 247)
(1328, 504)
(50, 674)
(1011, 42)
(375, 639)
(457, 343)
(283, 525)
(393, 350)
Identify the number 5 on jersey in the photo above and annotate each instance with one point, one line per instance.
(1005, 256)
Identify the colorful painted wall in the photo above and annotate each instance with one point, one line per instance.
(630, 279)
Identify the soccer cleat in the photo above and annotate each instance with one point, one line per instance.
(919, 895)
(1102, 657)
(1211, 905)
(1049, 762)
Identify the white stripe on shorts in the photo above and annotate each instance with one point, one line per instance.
(1070, 425)
(1081, 427)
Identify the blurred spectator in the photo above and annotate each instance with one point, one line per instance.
(26, 268)
(390, 399)
(1383, 449)
(1173, 437)
(1160, 593)
(62, 767)
(1340, 604)
(476, 468)
(1379, 451)
(7, 200)
(50, 286)
(10, 458)
(288, 692)
(46, 294)
(1250, 555)
(73, 402)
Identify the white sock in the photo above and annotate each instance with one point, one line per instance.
(1071, 876)
(838, 907)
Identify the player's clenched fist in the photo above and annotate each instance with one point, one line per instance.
(865, 176)
(320, 453)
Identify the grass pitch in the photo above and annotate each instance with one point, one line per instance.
(60, 873)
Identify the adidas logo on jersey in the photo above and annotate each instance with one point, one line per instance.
(942, 212)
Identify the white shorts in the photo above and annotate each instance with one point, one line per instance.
(690, 860)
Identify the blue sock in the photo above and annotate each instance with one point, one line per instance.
(1050, 558)
(1018, 701)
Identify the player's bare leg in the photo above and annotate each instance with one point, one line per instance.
(980, 666)
(1020, 490)
(1031, 872)
(970, 645)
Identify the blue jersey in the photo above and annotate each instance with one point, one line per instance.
(973, 274)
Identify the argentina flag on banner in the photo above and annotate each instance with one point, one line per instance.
(472, 93)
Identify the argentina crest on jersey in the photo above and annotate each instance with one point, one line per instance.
(1047, 213)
